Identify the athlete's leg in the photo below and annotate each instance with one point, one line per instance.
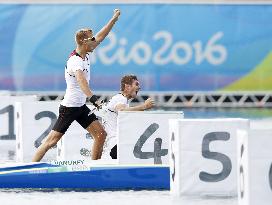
(110, 148)
(51, 140)
(99, 135)
(65, 119)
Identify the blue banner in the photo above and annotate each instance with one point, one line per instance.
(170, 47)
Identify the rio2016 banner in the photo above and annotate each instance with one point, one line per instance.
(170, 47)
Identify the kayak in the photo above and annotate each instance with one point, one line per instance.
(99, 177)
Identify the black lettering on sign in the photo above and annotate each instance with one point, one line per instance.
(225, 160)
(173, 174)
(157, 153)
(11, 135)
(242, 185)
(241, 173)
(270, 177)
(53, 119)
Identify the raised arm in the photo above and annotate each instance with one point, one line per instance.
(101, 35)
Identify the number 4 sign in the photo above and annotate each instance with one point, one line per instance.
(143, 136)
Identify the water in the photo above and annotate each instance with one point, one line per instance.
(260, 117)
(8, 197)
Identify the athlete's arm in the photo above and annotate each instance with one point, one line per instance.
(84, 86)
(101, 35)
(149, 103)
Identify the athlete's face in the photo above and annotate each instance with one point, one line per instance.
(90, 42)
(133, 89)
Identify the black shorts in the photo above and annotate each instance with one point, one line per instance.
(67, 115)
(113, 152)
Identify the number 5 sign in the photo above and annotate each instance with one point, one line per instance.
(203, 156)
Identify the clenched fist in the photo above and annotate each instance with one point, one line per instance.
(149, 103)
(116, 14)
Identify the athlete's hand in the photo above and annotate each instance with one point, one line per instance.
(149, 103)
(99, 104)
(116, 14)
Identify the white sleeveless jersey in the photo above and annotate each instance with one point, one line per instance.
(74, 96)
(110, 114)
